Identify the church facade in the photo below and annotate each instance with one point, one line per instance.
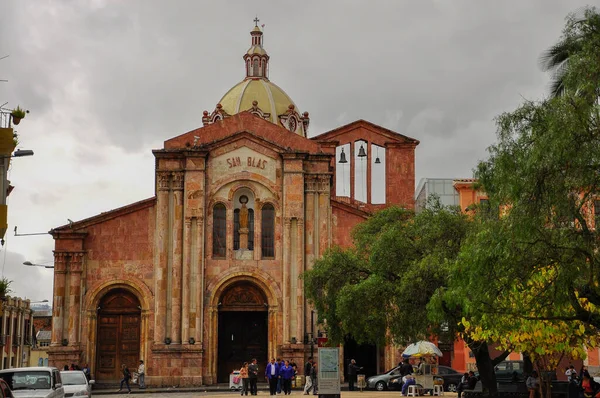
(205, 274)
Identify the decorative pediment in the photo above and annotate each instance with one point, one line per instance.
(218, 114)
(256, 111)
(295, 122)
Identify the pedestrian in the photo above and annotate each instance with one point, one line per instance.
(142, 375)
(352, 371)
(307, 372)
(253, 376)
(280, 364)
(314, 378)
(272, 375)
(244, 377)
(66, 367)
(86, 372)
(287, 372)
(126, 377)
(72, 367)
(533, 384)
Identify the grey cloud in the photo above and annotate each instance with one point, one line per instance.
(106, 80)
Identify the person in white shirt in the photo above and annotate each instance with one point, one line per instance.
(141, 374)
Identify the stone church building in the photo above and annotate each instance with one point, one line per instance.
(205, 274)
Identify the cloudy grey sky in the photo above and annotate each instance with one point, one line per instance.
(107, 81)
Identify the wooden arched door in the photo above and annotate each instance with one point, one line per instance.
(119, 322)
(243, 328)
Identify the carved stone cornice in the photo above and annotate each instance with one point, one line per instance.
(162, 180)
(317, 183)
(177, 180)
(166, 180)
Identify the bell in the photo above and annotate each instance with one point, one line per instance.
(377, 161)
(361, 152)
(343, 157)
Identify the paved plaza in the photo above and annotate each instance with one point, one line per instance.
(345, 394)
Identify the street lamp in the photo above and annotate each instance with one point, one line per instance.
(22, 152)
(30, 264)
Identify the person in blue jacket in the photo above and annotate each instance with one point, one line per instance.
(287, 373)
(272, 375)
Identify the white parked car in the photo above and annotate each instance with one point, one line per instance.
(34, 382)
(76, 384)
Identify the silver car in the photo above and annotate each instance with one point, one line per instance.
(76, 384)
(380, 382)
(34, 382)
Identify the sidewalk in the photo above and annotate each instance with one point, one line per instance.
(222, 387)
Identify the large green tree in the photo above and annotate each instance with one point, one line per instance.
(386, 288)
(537, 266)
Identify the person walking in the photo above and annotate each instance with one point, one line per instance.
(280, 364)
(287, 372)
(272, 375)
(126, 377)
(253, 376)
(244, 377)
(352, 372)
(307, 374)
(142, 375)
(314, 378)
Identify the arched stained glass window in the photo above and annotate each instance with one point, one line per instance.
(219, 230)
(268, 231)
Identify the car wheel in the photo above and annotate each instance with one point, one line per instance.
(451, 387)
(380, 386)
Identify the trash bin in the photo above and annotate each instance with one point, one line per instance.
(235, 381)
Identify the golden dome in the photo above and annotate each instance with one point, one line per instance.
(271, 99)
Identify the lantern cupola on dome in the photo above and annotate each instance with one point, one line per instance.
(257, 95)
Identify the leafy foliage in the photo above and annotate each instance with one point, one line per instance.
(378, 291)
(579, 33)
(530, 279)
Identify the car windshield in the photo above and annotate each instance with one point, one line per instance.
(72, 379)
(27, 380)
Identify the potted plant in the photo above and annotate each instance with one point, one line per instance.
(17, 114)
(5, 287)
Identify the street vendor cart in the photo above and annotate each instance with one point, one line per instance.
(427, 368)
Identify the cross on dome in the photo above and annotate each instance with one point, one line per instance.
(257, 95)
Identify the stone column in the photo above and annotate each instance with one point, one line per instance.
(298, 294)
(4, 334)
(323, 221)
(160, 255)
(75, 266)
(198, 263)
(187, 279)
(11, 315)
(177, 256)
(58, 310)
(287, 257)
(19, 333)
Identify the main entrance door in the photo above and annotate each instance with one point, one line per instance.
(243, 329)
(118, 334)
